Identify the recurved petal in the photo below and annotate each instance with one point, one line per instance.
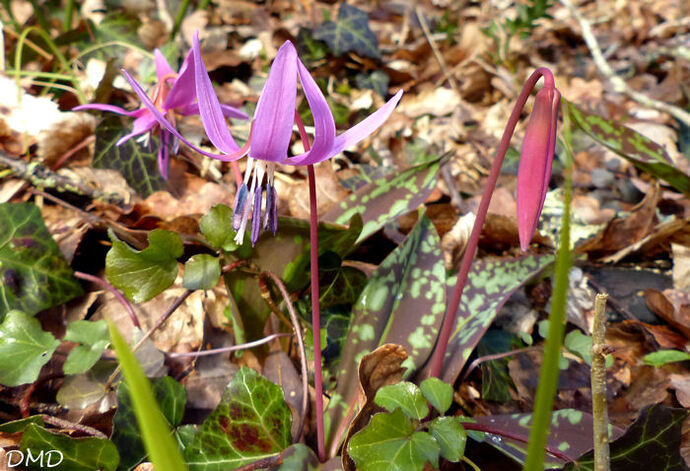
(209, 107)
(324, 124)
(275, 110)
(536, 157)
(228, 111)
(163, 68)
(110, 108)
(141, 125)
(183, 91)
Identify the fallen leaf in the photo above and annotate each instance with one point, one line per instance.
(671, 305)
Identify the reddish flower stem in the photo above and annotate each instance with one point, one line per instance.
(128, 307)
(315, 307)
(471, 249)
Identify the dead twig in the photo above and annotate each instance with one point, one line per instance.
(600, 415)
(437, 53)
(233, 348)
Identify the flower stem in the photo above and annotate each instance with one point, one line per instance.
(121, 299)
(315, 307)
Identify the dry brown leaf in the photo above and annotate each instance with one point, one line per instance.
(671, 305)
(681, 384)
(329, 191)
(681, 267)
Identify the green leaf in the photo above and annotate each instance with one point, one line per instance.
(496, 382)
(377, 81)
(489, 285)
(154, 429)
(93, 337)
(251, 422)
(402, 303)
(639, 150)
(137, 162)
(451, 437)
(403, 395)
(387, 198)
(17, 426)
(33, 274)
(350, 32)
(141, 275)
(170, 396)
(663, 357)
(118, 26)
(216, 226)
(201, 272)
(390, 442)
(438, 393)
(78, 454)
(91, 387)
(651, 442)
(24, 349)
(299, 457)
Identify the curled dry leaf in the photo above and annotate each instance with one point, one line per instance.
(671, 305)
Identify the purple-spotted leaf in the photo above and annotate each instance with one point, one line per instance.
(33, 274)
(403, 303)
(387, 198)
(251, 422)
(489, 285)
(639, 150)
(652, 442)
(570, 433)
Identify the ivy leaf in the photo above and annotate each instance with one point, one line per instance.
(33, 274)
(438, 393)
(387, 198)
(78, 454)
(17, 426)
(138, 163)
(299, 457)
(201, 272)
(170, 396)
(141, 275)
(251, 422)
(24, 348)
(663, 357)
(390, 442)
(350, 32)
(451, 437)
(639, 150)
(405, 396)
(93, 338)
(651, 442)
(377, 81)
(216, 226)
(403, 303)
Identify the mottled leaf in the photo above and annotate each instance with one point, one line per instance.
(403, 303)
(405, 396)
(216, 226)
(496, 382)
(367, 174)
(78, 454)
(652, 442)
(350, 32)
(639, 150)
(33, 274)
(24, 349)
(136, 161)
(489, 285)
(438, 393)
(92, 337)
(390, 442)
(251, 422)
(202, 271)
(141, 275)
(451, 437)
(387, 198)
(170, 396)
(118, 26)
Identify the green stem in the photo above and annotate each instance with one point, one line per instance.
(548, 378)
(69, 15)
(180, 16)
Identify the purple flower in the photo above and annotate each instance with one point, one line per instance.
(536, 158)
(174, 93)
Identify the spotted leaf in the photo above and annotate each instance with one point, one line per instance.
(350, 32)
(639, 150)
(387, 198)
(251, 422)
(33, 274)
(403, 303)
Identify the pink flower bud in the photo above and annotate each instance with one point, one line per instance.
(536, 158)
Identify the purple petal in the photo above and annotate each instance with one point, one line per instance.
(183, 91)
(356, 133)
(275, 111)
(163, 68)
(140, 126)
(228, 111)
(324, 125)
(209, 107)
(113, 109)
(146, 101)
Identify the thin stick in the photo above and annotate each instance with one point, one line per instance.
(119, 296)
(619, 85)
(233, 348)
(496, 356)
(296, 326)
(599, 411)
(64, 424)
(85, 142)
(436, 51)
(315, 307)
